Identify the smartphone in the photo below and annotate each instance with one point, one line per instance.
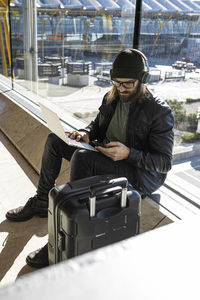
(100, 144)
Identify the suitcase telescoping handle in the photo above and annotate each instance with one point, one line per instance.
(94, 189)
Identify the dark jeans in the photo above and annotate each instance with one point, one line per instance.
(83, 163)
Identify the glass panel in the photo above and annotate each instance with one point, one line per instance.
(5, 50)
(65, 52)
(171, 41)
(75, 46)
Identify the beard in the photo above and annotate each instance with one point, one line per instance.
(130, 96)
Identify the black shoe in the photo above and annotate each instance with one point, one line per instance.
(34, 207)
(39, 258)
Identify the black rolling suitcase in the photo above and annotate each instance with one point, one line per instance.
(90, 213)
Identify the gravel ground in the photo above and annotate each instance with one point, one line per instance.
(177, 136)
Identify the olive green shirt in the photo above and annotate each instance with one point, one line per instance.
(117, 128)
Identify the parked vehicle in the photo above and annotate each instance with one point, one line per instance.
(179, 65)
(104, 76)
(190, 67)
(183, 65)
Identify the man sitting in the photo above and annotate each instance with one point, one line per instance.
(135, 125)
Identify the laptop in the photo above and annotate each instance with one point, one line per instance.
(56, 127)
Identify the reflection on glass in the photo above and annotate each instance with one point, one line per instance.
(75, 50)
(5, 50)
(76, 42)
(171, 42)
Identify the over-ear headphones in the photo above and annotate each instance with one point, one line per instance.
(130, 63)
(146, 75)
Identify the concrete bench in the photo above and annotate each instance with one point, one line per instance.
(174, 75)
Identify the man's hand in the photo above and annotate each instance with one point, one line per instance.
(79, 136)
(115, 150)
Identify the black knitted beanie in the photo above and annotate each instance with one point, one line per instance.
(128, 64)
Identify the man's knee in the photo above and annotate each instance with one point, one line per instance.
(81, 156)
(54, 143)
(52, 139)
(82, 164)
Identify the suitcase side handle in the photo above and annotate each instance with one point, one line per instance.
(94, 189)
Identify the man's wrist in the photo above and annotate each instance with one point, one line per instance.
(83, 130)
(128, 152)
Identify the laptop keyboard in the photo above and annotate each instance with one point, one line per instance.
(80, 144)
(75, 143)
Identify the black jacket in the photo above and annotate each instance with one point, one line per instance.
(149, 135)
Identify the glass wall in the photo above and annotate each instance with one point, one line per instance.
(63, 51)
(73, 50)
(171, 42)
(5, 49)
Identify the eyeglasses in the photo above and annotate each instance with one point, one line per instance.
(126, 84)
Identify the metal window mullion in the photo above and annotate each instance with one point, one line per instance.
(34, 41)
(30, 40)
(138, 13)
(27, 39)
